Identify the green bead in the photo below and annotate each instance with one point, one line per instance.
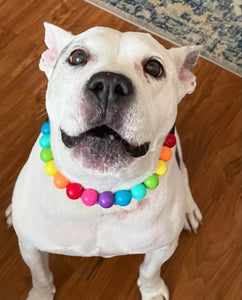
(152, 182)
(46, 154)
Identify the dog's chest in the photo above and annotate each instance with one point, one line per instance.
(52, 222)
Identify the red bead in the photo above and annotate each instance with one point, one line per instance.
(74, 191)
(170, 140)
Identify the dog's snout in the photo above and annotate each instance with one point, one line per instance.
(107, 88)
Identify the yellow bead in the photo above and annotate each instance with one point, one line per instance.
(161, 168)
(50, 168)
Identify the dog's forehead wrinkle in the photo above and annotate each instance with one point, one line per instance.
(143, 39)
(111, 41)
(98, 37)
(100, 30)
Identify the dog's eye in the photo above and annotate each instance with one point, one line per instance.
(154, 68)
(78, 57)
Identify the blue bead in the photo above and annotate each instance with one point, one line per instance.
(138, 192)
(45, 129)
(123, 197)
(44, 141)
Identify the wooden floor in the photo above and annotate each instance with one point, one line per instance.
(206, 265)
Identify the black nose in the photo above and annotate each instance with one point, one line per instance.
(107, 88)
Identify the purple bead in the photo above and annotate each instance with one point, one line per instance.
(106, 199)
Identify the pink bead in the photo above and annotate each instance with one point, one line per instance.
(170, 140)
(89, 197)
(74, 190)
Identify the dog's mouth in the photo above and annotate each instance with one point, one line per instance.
(103, 140)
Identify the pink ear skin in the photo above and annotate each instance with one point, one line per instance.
(185, 59)
(189, 63)
(55, 39)
(50, 55)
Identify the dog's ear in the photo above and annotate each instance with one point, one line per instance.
(55, 39)
(185, 59)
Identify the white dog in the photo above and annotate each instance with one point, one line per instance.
(112, 101)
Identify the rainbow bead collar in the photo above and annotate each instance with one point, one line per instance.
(105, 199)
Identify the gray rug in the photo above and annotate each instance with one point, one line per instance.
(215, 24)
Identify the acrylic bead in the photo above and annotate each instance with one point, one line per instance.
(50, 168)
(170, 140)
(44, 141)
(89, 197)
(161, 168)
(74, 191)
(138, 192)
(60, 181)
(122, 197)
(165, 153)
(106, 199)
(45, 129)
(46, 154)
(152, 182)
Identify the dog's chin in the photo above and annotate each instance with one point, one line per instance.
(102, 148)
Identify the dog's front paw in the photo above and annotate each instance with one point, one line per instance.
(193, 217)
(8, 215)
(156, 291)
(41, 294)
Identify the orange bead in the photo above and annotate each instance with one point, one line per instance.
(165, 153)
(60, 181)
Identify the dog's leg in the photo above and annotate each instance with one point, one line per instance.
(42, 278)
(193, 214)
(8, 215)
(151, 285)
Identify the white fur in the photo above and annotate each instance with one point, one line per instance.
(45, 220)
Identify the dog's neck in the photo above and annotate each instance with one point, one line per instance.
(90, 196)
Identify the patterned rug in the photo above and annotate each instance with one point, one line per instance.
(215, 24)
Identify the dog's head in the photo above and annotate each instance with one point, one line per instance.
(112, 98)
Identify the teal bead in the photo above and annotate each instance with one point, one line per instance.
(138, 192)
(44, 141)
(46, 154)
(45, 128)
(122, 197)
(152, 182)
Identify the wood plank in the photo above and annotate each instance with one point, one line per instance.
(206, 265)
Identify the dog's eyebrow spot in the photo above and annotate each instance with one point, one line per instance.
(64, 50)
(137, 66)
